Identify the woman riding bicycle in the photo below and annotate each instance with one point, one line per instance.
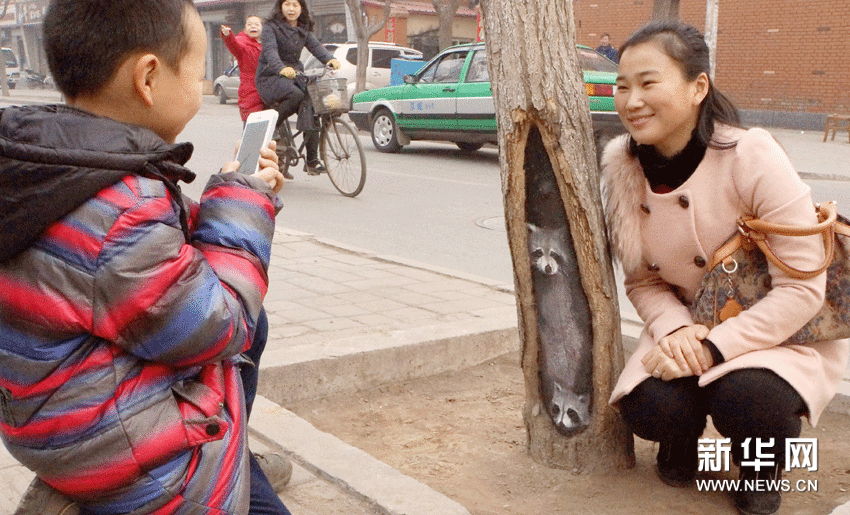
(287, 31)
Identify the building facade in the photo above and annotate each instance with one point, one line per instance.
(20, 30)
(783, 62)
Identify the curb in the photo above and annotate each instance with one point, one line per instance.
(349, 468)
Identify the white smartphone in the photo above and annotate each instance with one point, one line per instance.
(257, 133)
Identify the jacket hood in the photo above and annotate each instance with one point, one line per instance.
(54, 158)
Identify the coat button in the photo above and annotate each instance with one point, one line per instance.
(699, 261)
(684, 202)
(644, 208)
(213, 429)
(653, 267)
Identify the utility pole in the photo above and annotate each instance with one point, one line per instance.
(711, 8)
(4, 87)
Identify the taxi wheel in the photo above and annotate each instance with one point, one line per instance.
(468, 147)
(384, 132)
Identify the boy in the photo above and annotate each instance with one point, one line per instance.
(124, 307)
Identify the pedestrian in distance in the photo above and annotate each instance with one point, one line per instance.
(286, 32)
(606, 49)
(245, 47)
(674, 188)
(126, 306)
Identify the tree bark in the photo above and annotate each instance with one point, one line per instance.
(446, 11)
(545, 134)
(665, 10)
(362, 33)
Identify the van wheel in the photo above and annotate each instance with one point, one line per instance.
(468, 147)
(222, 96)
(384, 132)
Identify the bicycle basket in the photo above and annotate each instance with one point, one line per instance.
(329, 96)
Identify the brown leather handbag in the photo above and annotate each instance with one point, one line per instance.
(739, 276)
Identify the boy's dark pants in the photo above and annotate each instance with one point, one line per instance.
(264, 500)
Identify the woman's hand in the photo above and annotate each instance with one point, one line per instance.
(333, 63)
(659, 365)
(269, 170)
(288, 72)
(685, 346)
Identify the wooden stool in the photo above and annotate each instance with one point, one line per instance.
(835, 123)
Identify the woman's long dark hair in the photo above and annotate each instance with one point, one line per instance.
(686, 45)
(305, 21)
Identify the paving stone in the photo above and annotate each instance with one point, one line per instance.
(357, 296)
(373, 320)
(380, 305)
(379, 282)
(410, 314)
(343, 310)
(331, 324)
(439, 286)
(303, 314)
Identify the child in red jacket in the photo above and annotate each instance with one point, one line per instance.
(246, 47)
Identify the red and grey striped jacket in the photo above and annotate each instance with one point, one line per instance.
(123, 312)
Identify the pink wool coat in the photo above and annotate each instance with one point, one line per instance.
(665, 240)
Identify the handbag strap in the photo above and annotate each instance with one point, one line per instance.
(756, 231)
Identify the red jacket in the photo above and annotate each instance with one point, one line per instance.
(246, 50)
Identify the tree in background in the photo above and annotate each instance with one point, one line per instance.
(362, 32)
(446, 10)
(551, 187)
(665, 10)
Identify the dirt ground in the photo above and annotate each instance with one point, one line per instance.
(462, 434)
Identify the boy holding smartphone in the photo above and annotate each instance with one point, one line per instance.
(124, 306)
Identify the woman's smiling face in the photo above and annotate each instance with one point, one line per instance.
(655, 101)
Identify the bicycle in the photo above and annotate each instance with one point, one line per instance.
(339, 145)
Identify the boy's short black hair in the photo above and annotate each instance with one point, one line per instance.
(86, 40)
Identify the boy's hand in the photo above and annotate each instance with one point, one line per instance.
(288, 72)
(226, 31)
(269, 170)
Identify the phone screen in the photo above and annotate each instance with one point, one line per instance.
(249, 149)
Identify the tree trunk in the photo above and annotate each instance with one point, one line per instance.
(446, 11)
(567, 307)
(665, 10)
(362, 33)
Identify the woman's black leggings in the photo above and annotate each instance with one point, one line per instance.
(290, 97)
(749, 403)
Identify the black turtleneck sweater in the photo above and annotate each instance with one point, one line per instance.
(666, 174)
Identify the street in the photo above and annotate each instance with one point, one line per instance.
(431, 203)
(436, 204)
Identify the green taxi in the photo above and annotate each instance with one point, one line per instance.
(450, 99)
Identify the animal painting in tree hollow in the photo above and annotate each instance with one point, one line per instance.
(563, 314)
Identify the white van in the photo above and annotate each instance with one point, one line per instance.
(13, 67)
(378, 69)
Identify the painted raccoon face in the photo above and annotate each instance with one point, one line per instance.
(546, 248)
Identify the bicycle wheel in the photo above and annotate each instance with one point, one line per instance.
(287, 154)
(343, 155)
